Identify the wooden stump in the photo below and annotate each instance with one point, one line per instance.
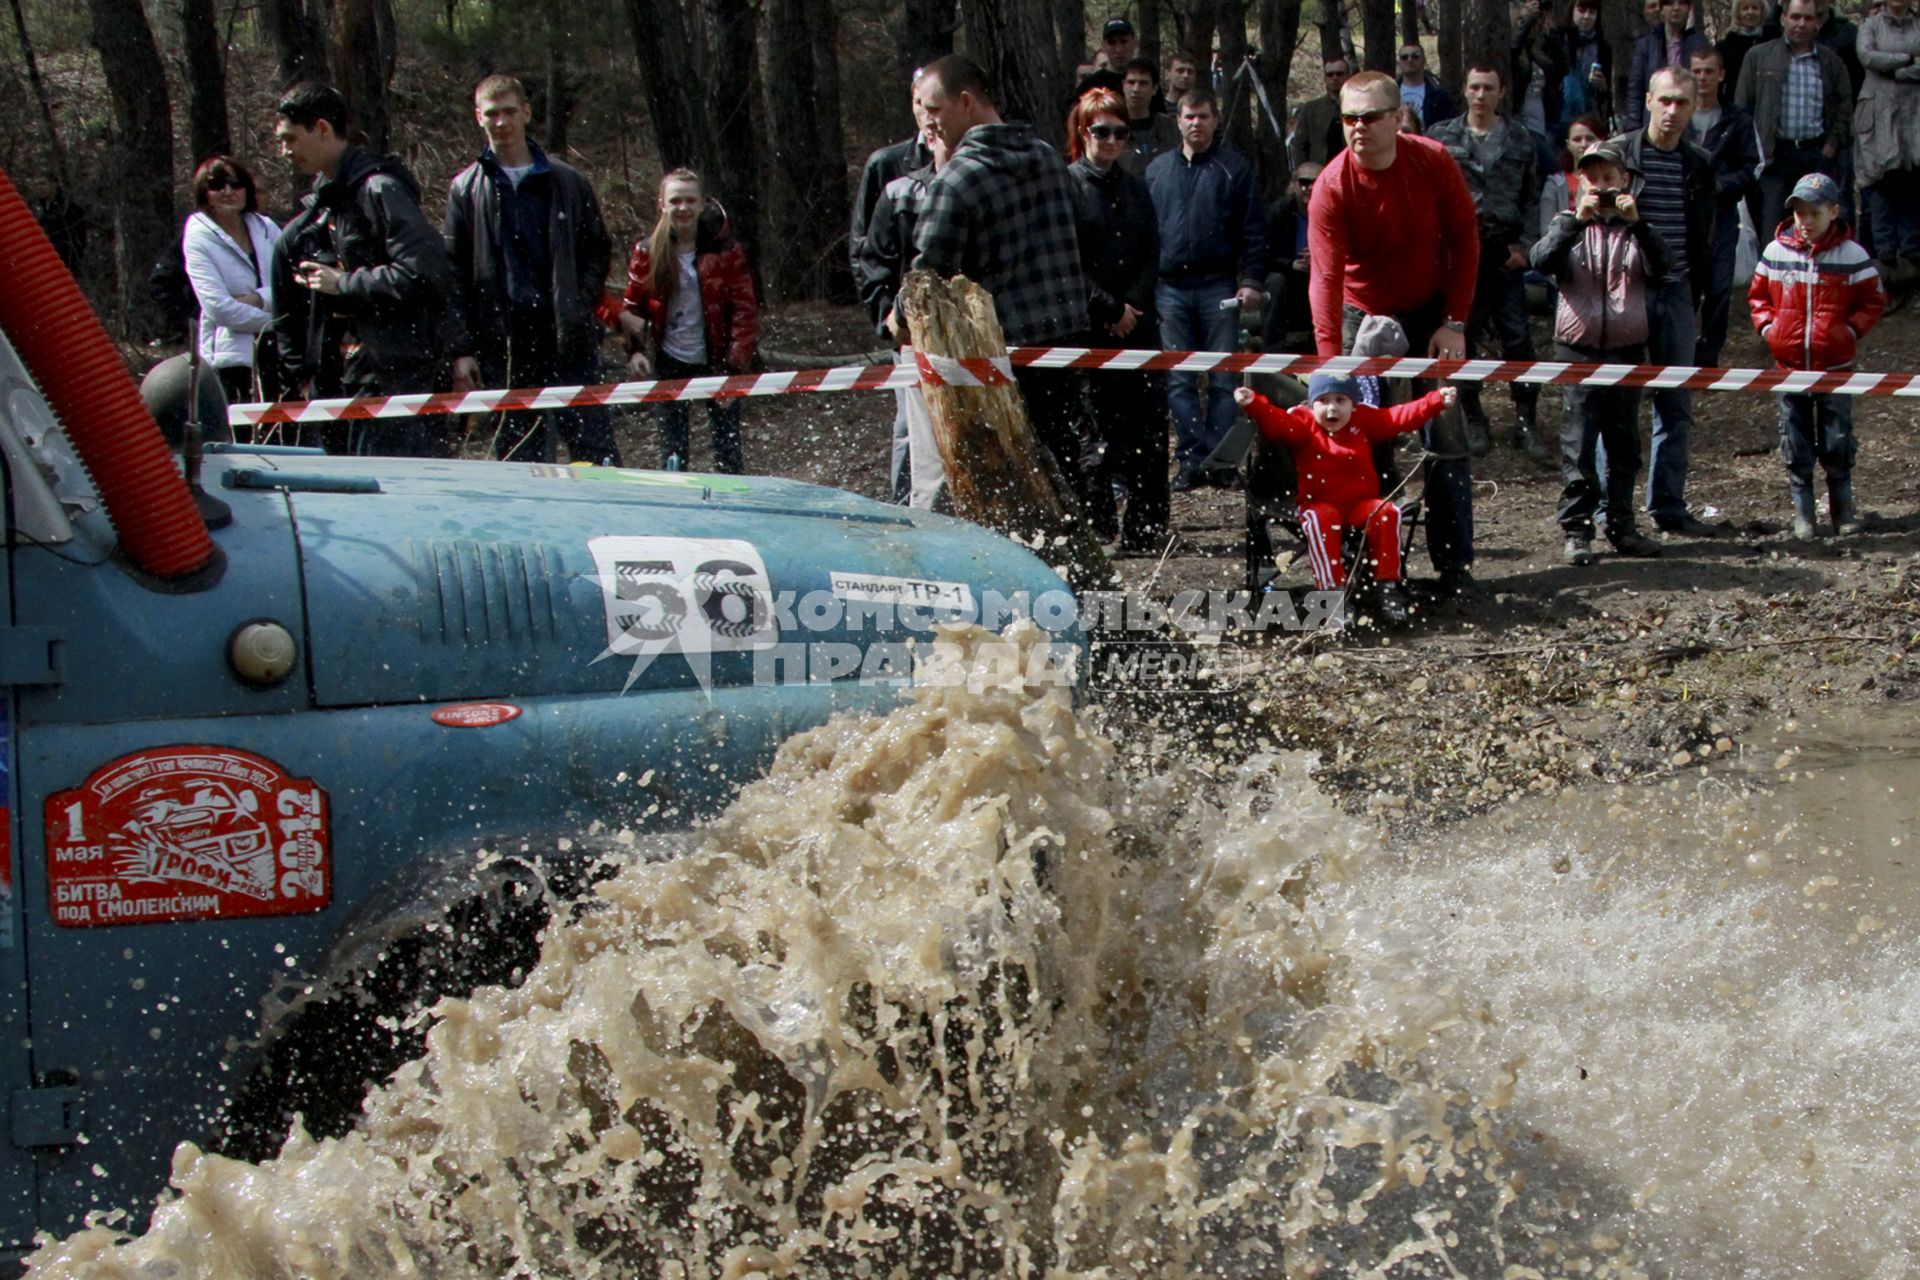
(997, 474)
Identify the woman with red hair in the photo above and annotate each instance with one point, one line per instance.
(1120, 257)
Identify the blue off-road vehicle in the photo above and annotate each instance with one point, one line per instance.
(255, 737)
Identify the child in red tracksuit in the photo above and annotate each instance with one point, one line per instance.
(1814, 295)
(1331, 438)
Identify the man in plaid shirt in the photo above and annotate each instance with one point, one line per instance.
(1801, 100)
(1001, 213)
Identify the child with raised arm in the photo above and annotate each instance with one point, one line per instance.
(1814, 295)
(1331, 438)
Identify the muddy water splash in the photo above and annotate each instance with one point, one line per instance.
(945, 993)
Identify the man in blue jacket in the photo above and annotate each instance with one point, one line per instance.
(1213, 258)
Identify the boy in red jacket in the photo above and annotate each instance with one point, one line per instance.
(1331, 438)
(1814, 295)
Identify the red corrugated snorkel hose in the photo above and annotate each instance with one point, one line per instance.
(60, 339)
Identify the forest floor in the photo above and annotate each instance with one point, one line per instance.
(1546, 675)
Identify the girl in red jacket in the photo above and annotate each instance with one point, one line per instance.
(1331, 439)
(1814, 295)
(690, 313)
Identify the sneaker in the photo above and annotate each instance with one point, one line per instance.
(1185, 482)
(1848, 527)
(1631, 542)
(1222, 478)
(1390, 604)
(1578, 551)
(1689, 526)
(1804, 529)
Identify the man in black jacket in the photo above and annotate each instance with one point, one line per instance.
(363, 291)
(531, 254)
(890, 162)
(1675, 193)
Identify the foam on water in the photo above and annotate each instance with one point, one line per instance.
(951, 993)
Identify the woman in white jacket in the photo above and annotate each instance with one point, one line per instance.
(228, 244)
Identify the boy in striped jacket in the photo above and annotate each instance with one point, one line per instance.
(1814, 295)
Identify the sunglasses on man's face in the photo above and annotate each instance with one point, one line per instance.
(1351, 118)
(1108, 132)
(1412, 57)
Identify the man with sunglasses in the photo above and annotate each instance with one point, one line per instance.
(1392, 231)
(1317, 136)
(1422, 90)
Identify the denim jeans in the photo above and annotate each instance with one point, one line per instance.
(1192, 319)
(1670, 341)
(1816, 427)
(1599, 422)
(723, 416)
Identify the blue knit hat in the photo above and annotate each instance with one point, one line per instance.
(1333, 384)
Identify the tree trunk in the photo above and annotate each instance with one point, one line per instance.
(1452, 51)
(1376, 28)
(298, 32)
(1486, 37)
(1279, 33)
(1013, 41)
(732, 36)
(1148, 25)
(56, 153)
(142, 162)
(996, 475)
(1409, 21)
(926, 31)
(676, 104)
(1070, 22)
(364, 48)
(1201, 18)
(1331, 45)
(557, 109)
(808, 149)
(207, 131)
(1621, 20)
(1237, 91)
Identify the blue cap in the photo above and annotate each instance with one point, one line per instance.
(1333, 384)
(1815, 188)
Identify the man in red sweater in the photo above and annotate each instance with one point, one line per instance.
(1392, 231)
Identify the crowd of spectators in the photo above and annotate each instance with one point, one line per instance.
(1459, 211)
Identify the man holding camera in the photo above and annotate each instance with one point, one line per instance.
(1675, 194)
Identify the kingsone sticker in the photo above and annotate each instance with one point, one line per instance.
(186, 833)
(692, 596)
(475, 715)
(927, 593)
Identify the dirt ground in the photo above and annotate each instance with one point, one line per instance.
(1545, 676)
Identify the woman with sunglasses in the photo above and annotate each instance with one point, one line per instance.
(228, 246)
(1120, 257)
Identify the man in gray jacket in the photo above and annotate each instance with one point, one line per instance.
(1801, 100)
(1496, 156)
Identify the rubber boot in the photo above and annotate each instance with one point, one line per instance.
(1840, 506)
(1805, 519)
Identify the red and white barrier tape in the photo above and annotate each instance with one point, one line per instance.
(985, 372)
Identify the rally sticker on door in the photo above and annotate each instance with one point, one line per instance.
(186, 833)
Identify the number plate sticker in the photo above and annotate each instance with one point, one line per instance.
(684, 595)
(186, 833)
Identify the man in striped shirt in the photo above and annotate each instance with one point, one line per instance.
(1675, 192)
